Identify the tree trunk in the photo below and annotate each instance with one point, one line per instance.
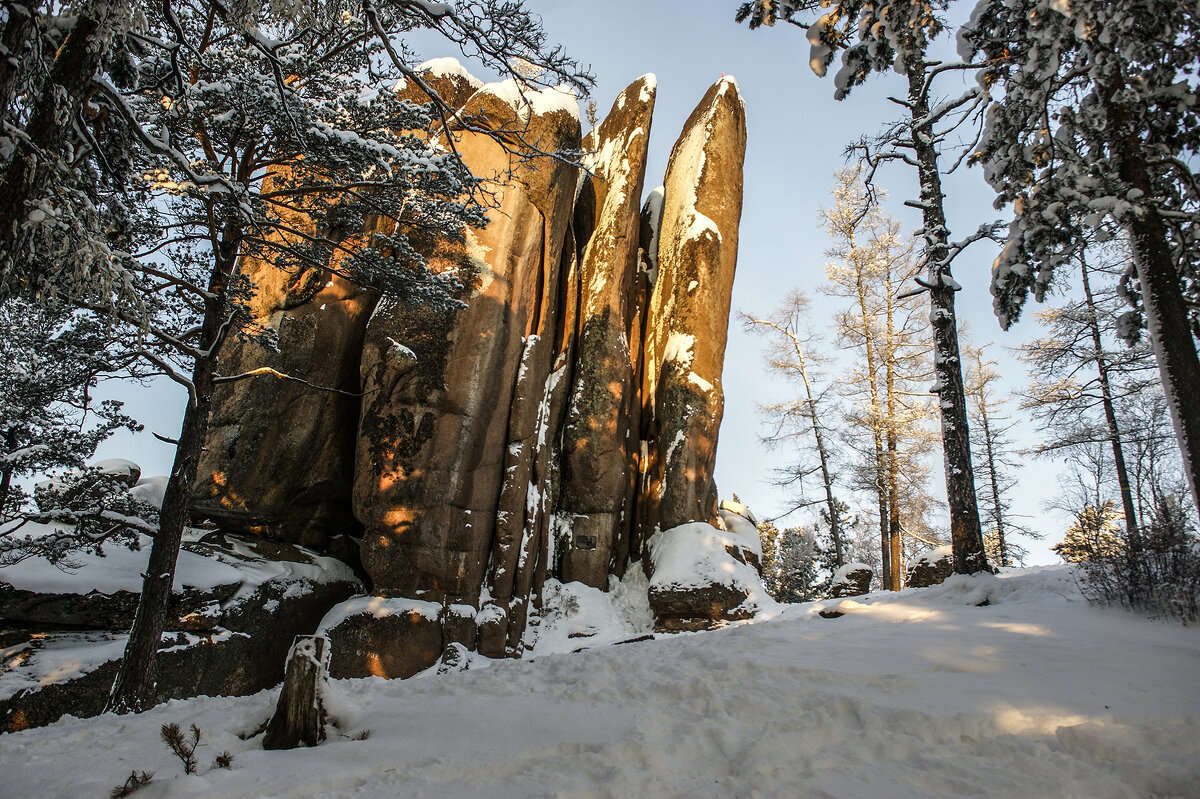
(300, 712)
(133, 689)
(894, 578)
(1110, 413)
(965, 533)
(47, 132)
(1162, 295)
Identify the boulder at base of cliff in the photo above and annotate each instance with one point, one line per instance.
(851, 579)
(931, 567)
(702, 577)
(389, 637)
(741, 521)
(237, 605)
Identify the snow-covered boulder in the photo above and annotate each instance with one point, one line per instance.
(740, 521)
(931, 567)
(700, 577)
(851, 579)
(375, 636)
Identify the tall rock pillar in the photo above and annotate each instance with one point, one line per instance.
(601, 433)
(688, 318)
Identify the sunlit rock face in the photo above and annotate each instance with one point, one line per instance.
(600, 437)
(688, 317)
(550, 425)
(450, 472)
(279, 457)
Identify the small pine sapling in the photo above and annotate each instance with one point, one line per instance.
(223, 760)
(184, 747)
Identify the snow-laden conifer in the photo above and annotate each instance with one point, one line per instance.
(1092, 131)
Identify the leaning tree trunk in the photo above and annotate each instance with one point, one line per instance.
(966, 536)
(835, 525)
(1162, 295)
(133, 689)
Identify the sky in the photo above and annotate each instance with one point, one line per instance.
(796, 136)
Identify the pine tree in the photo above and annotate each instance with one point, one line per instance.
(1094, 133)
(1092, 534)
(791, 562)
(881, 36)
(50, 362)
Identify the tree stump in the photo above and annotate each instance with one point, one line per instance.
(300, 713)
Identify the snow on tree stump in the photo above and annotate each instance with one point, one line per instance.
(300, 713)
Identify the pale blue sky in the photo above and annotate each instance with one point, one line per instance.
(796, 135)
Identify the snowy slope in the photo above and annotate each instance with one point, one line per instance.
(917, 694)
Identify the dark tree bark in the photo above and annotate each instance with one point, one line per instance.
(48, 130)
(966, 535)
(300, 712)
(1162, 294)
(19, 29)
(133, 689)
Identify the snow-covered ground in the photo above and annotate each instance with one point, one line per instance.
(923, 693)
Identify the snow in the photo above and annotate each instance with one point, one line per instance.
(700, 382)
(845, 569)
(654, 208)
(679, 348)
(933, 555)
(449, 67)
(525, 101)
(150, 490)
(120, 568)
(696, 555)
(737, 524)
(377, 607)
(56, 659)
(918, 693)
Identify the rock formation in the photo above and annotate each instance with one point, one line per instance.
(600, 444)
(688, 319)
(550, 426)
(279, 459)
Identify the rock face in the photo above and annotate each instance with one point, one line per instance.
(549, 427)
(688, 318)
(600, 447)
(279, 457)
